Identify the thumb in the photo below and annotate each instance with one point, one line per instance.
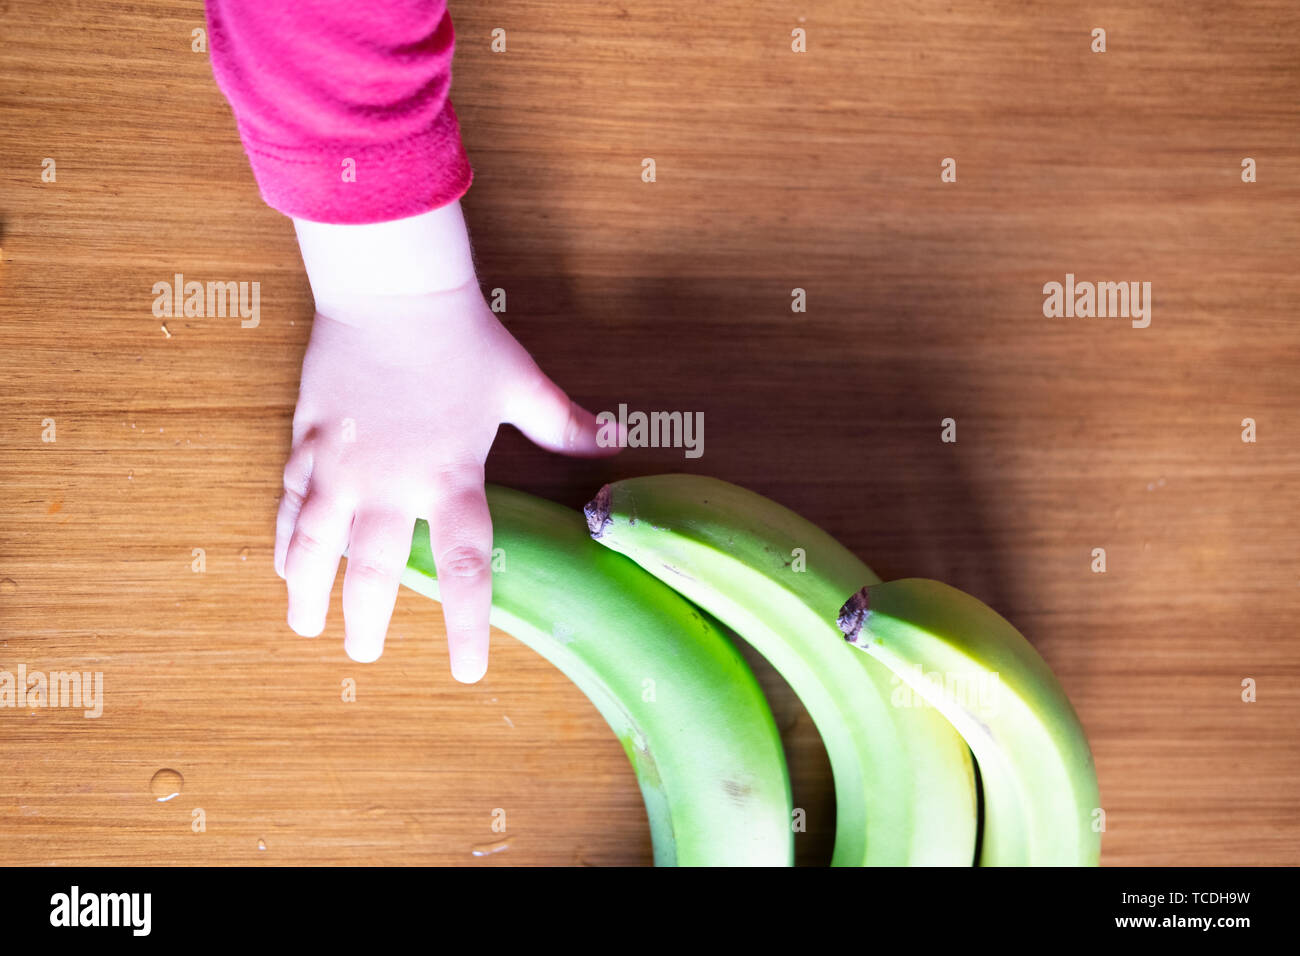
(552, 421)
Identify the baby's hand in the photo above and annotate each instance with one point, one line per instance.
(402, 393)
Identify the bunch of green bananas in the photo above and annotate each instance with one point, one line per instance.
(942, 675)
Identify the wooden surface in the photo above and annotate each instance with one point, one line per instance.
(775, 170)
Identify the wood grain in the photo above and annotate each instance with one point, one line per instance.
(775, 170)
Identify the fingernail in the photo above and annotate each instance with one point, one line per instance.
(305, 623)
(468, 670)
(364, 655)
(363, 649)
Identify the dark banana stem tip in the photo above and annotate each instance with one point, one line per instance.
(597, 512)
(853, 618)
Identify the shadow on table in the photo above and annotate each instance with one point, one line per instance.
(800, 408)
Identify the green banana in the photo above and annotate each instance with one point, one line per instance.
(904, 782)
(685, 705)
(1037, 773)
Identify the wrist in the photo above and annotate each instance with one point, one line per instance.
(419, 255)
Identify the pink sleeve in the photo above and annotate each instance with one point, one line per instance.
(343, 107)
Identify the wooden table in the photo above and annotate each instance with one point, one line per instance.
(774, 171)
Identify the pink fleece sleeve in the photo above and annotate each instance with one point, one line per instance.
(342, 107)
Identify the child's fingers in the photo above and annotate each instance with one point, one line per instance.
(312, 560)
(297, 477)
(546, 415)
(381, 542)
(460, 531)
